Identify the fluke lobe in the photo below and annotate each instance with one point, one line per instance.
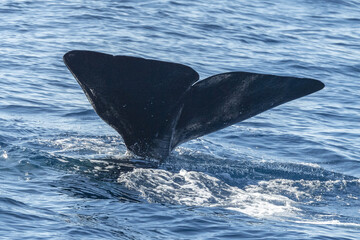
(156, 105)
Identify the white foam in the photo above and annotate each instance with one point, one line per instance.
(331, 222)
(199, 189)
(4, 155)
(309, 164)
(78, 145)
(300, 189)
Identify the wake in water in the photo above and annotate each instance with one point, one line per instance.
(257, 188)
(192, 188)
(85, 166)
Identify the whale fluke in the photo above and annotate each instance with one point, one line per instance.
(156, 105)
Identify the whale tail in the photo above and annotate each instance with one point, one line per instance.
(156, 105)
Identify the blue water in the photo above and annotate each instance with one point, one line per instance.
(290, 173)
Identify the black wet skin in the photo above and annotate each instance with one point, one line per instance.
(156, 105)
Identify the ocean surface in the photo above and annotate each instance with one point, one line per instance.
(292, 172)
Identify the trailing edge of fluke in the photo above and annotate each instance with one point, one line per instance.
(156, 105)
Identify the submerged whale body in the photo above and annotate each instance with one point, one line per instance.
(156, 105)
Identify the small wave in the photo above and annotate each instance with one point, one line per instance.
(25, 109)
(11, 202)
(80, 113)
